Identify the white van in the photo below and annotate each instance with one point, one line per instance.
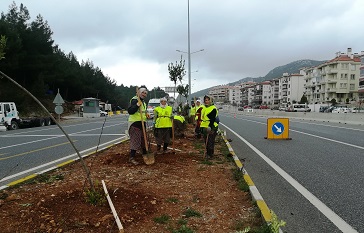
(151, 105)
(300, 108)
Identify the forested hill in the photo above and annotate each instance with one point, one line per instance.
(35, 61)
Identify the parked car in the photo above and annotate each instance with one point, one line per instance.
(282, 108)
(299, 108)
(263, 107)
(103, 113)
(323, 108)
(274, 108)
(329, 109)
(356, 110)
(240, 109)
(340, 110)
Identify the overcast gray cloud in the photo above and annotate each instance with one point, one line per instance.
(133, 41)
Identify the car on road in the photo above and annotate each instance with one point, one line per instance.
(103, 113)
(240, 109)
(340, 110)
(356, 110)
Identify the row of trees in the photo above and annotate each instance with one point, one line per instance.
(32, 59)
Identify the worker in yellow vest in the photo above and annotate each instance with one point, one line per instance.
(179, 124)
(198, 120)
(192, 113)
(209, 125)
(135, 124)
(162, 125)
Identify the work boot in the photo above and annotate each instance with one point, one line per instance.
(159, 152)
(133, 161)
(165, 147)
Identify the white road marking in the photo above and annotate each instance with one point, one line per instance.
(53, 136)
(58, 160)
(59, 135)
(331, 215)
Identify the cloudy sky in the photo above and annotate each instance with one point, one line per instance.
(134, 41)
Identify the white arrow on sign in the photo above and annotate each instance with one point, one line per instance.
(279, 129)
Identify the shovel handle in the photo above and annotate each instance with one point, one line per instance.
(142, 119)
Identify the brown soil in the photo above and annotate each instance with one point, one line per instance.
(148, 198)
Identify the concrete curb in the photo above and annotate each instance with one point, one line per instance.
(257, 197)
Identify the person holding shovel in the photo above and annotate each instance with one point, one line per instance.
(135, 124)
(162, 125)
(209, 125)
(198, 120)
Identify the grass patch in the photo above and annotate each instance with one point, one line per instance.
(183, 229)
(199, 146)
(207, 162)
(172, 200)
(181, 222)
(163, 219)
(96, 196)
(192, 213)
(3, 195)
(46, 178)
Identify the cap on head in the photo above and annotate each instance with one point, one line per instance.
(163, 99)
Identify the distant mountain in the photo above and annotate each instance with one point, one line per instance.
(291, 68)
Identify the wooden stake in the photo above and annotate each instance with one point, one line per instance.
(118, 223)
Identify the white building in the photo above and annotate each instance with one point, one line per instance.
(235, 95)
(361, 78)
(267, 93)
(335, 79)
(220, 93)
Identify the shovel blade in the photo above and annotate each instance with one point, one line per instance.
(148, 159)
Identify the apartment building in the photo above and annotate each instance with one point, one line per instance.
(336, 79)
(220, 93)
(275, 91)
(248, 94)
(235, 95)
(361, 78)
(267, 93)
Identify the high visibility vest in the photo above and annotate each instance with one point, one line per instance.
(136, 116)
(163, 117)
(180, 118)
(198, 114)
(205, 120)
(193, 111)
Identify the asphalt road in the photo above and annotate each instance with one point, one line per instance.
(314, 182)
(27, 151)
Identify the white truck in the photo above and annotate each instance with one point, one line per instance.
(152, 103)
(9, 118)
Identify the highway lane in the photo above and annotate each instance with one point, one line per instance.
(26, 151)
(326, 159)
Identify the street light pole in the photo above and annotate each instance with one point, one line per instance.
(189, 53)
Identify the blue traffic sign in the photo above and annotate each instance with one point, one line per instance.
(278, 128)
